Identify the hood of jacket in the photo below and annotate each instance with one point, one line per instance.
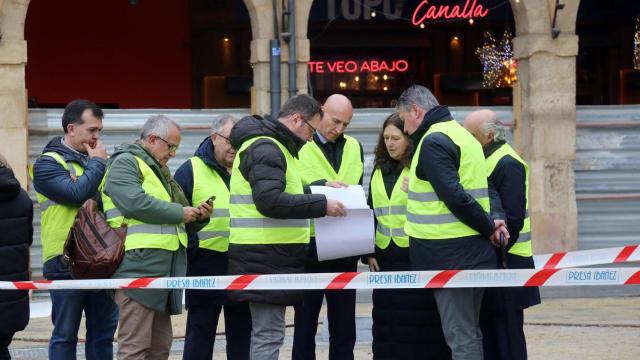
(138, 150)
(9, 185)
(249, 127)
(205, 152)
(56, 145)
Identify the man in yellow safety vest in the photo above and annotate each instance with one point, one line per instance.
(448, 219)
(501, 317)
(270, 211)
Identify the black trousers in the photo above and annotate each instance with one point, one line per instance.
(341, 313)
(503, 335)
(5, 341)
(202, 322)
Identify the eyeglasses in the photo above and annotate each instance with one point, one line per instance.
(222, 136)
(172, 147)
(313, 129)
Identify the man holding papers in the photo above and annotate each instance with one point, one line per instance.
(331, 157)
(269, 212)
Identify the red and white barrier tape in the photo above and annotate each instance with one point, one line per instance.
(357, 280)
(549, 272)
(587, 257)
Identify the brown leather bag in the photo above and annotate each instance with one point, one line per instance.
(93, 249)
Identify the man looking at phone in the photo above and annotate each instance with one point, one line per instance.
(140, 192)
(208, 173)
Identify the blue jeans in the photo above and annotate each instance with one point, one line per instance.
(101, 315)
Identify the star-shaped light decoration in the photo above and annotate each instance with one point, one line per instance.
(499, 68)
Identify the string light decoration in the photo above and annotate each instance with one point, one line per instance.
(636, 46)
(499, 68)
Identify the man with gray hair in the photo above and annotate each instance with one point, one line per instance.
(140, 192)
(448, 220)
(502, 315)
(204, 175)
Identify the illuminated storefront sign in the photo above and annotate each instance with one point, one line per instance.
(356, 66)
(425, 12)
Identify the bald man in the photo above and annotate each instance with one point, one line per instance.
(501, 316)
(332, 158)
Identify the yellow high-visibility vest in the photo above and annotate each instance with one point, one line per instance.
(141, 235)
(247, 224)
(315, 166)
(427, 216)
(56, 219)
(207, 182)
(391, 213)
(523, 245)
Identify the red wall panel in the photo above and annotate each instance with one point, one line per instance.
(111, 52)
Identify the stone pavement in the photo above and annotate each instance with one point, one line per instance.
(585, 328)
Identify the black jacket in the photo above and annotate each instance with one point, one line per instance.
(438, 163)
(16, 235)
(203, 262)
(54, 182)
(509, 181)
(264, 166)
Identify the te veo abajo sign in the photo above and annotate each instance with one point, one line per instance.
(425, 12)
(357, 66)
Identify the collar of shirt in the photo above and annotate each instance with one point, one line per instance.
(84, 157)
(322, 139)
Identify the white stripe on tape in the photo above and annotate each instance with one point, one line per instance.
(354, 280)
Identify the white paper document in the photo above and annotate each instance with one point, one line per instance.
(339, 237)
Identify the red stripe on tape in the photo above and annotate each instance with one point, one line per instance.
(442, 278)
(139, 283)
(625, 253)
(30, 285)
(241, 282)
(341, 281)
(539, 278)
(633, 279)
(554, 260)
(24, 285)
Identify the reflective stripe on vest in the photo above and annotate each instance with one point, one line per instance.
(247, 224)
(56, 219)
(390, 212)
(207, 182)
(522, 247)
(141, 235)
(315, 166)
(429, 218)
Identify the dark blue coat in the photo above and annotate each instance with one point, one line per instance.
(54, 182)
(203, 262)
(16, 234)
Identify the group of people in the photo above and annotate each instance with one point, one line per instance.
(444, 196)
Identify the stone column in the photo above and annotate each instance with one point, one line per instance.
(545, 115)
(14, 132)
(261, 14)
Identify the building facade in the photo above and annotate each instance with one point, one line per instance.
(215, 54)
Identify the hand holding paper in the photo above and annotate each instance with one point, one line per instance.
(351, 235)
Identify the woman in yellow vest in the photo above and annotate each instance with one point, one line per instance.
(406, 324)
